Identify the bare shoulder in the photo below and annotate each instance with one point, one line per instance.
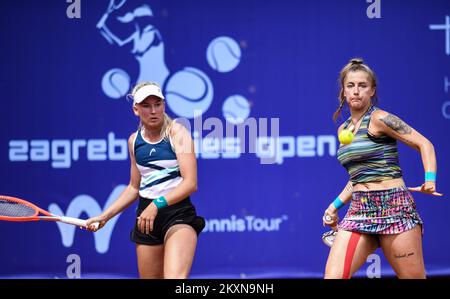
(382, 120)
(131, 145)
(379, 113)
(180, 138)
(176, 128)
(377, 116)
(131, 139)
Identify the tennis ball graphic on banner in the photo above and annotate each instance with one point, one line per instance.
(346, 136)
(236, 109)
(223, 54)
(116, 83)
(189, 92)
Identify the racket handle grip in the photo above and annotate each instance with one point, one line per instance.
(327, 218)
(74, 221)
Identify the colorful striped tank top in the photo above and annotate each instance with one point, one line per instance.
(368, 158)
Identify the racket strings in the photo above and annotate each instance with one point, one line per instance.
(328, 237)
(15, 209)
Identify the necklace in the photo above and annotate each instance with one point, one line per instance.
(352, 126)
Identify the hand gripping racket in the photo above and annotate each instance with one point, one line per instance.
(19, 210)
(328, 237)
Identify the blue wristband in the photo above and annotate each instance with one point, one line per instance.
(337, 203)
(430, 176)
(160, 202)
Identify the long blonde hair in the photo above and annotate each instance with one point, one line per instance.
(354, 65)
(167, 122)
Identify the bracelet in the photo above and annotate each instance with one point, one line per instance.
(160, 202)
(337, 203)
(430, 176)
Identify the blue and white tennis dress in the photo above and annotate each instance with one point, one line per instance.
(158, 165)
(160, 174)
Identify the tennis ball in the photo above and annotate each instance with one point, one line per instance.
(346, 136)
(116, 83)
(189, 92)
(223, 54)
(236, 109)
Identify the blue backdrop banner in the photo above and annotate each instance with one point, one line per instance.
(256, 83)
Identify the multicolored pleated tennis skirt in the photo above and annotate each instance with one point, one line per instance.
(390, 211)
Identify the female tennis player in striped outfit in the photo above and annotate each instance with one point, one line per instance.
(382, 211)
(163, 175)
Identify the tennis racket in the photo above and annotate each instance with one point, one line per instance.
(19, 210)
(328, 237)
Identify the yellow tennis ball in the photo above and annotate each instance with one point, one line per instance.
(346, 136)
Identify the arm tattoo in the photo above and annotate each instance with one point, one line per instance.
(396, 124)
(399, 256)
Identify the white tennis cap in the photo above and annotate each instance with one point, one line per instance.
(146, 91)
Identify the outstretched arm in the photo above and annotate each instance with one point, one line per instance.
(126, 198)
(389, 124)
